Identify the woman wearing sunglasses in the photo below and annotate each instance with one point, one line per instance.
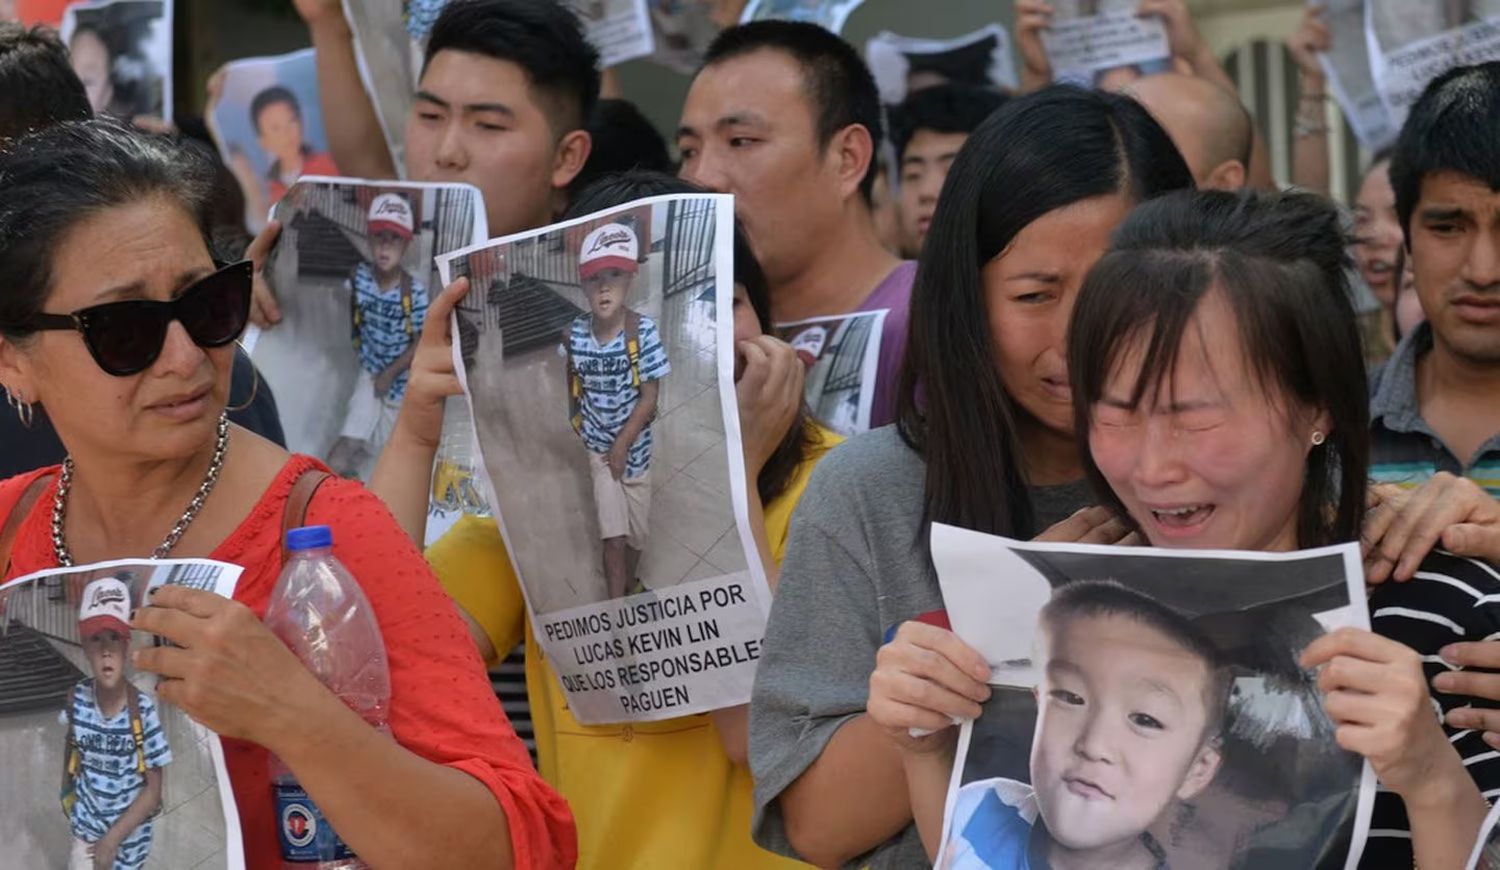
(114, 316)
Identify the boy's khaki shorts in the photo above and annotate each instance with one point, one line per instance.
(624, 505)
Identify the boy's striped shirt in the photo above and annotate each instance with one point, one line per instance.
(109, 781)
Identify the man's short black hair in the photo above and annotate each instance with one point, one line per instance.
(838, 83)
(38, 87)
(624, 141)
(950, 108)
(542, 37)
(1452, 128)
(270, 97)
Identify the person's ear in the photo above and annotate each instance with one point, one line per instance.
(1205, 766)
(850, 151)
(15, 372)
(1229, 175)
(571, 155)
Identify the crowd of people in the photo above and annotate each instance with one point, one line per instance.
(1104, 325)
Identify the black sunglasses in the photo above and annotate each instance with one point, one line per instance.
(125, 338)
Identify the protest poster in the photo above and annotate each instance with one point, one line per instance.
(683, 31)
(1104, 43)
(353, 274)
(1221, 755)
(85, 738)
(619, 29)
(122, 52)
(1410, 44)
(597, 355)
(1346, 65)
(828, 14)
(265, 116)
(842, 355)
(902, 64)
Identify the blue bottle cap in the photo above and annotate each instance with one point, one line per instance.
(309, 538)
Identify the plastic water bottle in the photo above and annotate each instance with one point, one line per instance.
(456, 485)
(319, 611)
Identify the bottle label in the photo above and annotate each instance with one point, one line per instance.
(306, 837)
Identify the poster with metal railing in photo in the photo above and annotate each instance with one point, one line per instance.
(1149, 707)
(99, 771)
(597, 355)
(353, 275)
(842, 356)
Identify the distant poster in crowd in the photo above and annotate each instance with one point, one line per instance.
(99, 771)
(842, 355)
(619, 29)
(266, 118)
(1090, 41)
(122, 51)
(1350, 76)
(1179, 670)
(597, 355)
(683, 31)
(829, 14)
(353, 274)
(902, 64)
(1411, 44)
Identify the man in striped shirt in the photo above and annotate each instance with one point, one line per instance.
(615, 365)
(116, 747)
(1435, 406)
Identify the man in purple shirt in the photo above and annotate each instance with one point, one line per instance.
(786, 116)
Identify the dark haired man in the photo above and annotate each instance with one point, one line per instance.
(506, 89)
(928, 129)
(785, 116)
(1435, 406)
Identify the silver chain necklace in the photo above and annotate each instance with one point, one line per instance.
(65, 483)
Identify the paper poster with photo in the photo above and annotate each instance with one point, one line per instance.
(353, 274)
(829, 14)
(842, 355)
(683, 31)
(1410, 44)
(122, 52)
(95, 762)
(1221, 755)
(619, 29)
(597, 355)
(1091, 40)
(1350, 77)
(902, 64)
(389, 38)
(268, 123)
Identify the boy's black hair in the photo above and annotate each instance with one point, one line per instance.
(38, 87)
(542, 37)
(624, 141)
(269, 97)
(1084, 599)
(838, 85)
(950, 108)
(1452, 128)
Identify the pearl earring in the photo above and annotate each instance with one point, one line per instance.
(1318, 438)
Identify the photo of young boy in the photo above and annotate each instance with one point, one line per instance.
(616, 362)
(116, 747)
(388, 306)
(276, 116)
(1130, 708)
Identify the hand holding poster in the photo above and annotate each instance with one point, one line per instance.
(1411, 43)
(122, 52)
(902, 64)
(598, 357)
(1090, 37)
(1220, 754)
(73, 793)
(265, 116)
(842, 355)
(353, 274)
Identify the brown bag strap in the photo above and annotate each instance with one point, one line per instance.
(18, 515)
(295, 514)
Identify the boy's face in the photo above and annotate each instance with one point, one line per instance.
(280, 131)
(607, 291)
(1122, 711)
(106, 653)
(386, 249)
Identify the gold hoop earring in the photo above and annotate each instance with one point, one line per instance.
(1318, 438)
